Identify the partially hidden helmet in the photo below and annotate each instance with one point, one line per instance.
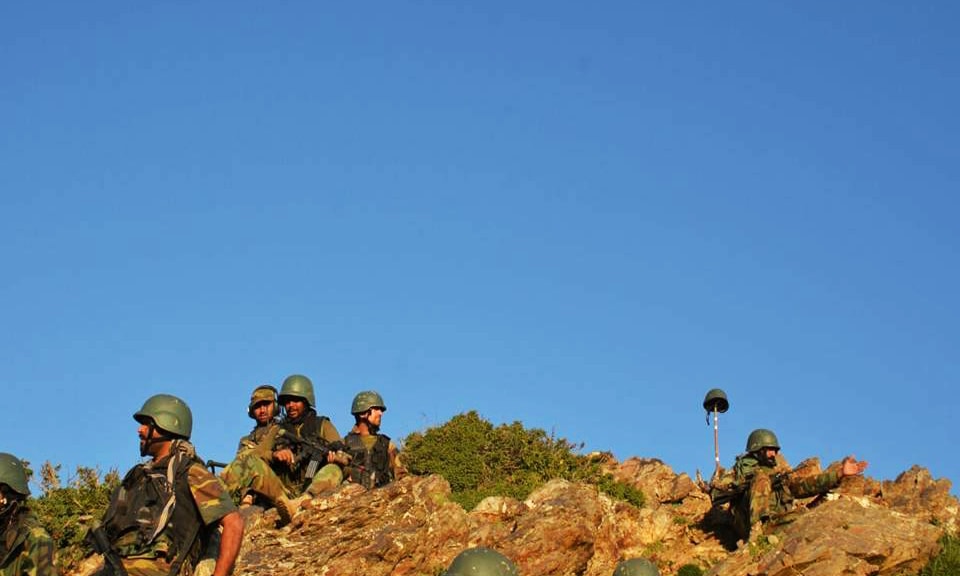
(636, 567)
(481, 561)
(13, 473)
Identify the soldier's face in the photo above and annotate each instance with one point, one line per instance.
(769, 455)
(263, 412)
(374, 416)
(295, 408)
(147, 432)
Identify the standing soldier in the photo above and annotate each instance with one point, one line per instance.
(249, 476)
(166, 510)
(307, 453)
(763, 488)
(375, 460)
(25, 547)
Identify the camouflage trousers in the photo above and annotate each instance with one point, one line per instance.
(145, 567)
(250, 473)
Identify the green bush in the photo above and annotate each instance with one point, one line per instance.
(947, 562)
(480, 460)
(66, 511)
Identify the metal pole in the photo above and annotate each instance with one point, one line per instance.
(716, 440)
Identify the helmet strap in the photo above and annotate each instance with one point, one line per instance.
(151, 439)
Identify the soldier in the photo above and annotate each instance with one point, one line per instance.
(764, 488)
(25, 547)
(481, 561)
(374, 457)
(307, 454)
(636, 567)
(166, 510)
(249, 477)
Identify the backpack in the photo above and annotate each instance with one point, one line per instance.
(152, 512)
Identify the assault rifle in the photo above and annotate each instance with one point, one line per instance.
(213, 465)
(313, 452)
(97, 538)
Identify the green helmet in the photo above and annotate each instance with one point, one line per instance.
(13, 474)
(716, 398)
(366, 400)
(636, 567)
(762, 438)
(262, 393)
(168, 413)
(298, 386)
(481, 561)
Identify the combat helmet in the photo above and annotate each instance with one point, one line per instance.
(716, 399)
(262, 393)
(481, 561)
(298, 386)
(168, 413)
(13, 474)
(366, 400)
(636, 567)
(762, 438)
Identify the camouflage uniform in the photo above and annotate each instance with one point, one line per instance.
(25, 547)
(212, 503)
(317, 429)
(771, 490)
(250, 470)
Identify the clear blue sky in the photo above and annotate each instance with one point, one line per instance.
(580, 217)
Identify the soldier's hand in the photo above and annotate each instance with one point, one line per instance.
(285, 455)
(850, 467)
(339, 457)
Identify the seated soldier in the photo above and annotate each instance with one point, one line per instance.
(308, 454)
(374, 457)
(25, 547)
(249, 477)
(761, 488)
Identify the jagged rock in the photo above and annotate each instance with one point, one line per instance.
(916, 492)
(565, 529)
(841, 537)
(656, 480)
(409, 527)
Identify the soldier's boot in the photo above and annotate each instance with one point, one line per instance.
(287, 508)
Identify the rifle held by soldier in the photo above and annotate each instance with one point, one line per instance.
(98, 540)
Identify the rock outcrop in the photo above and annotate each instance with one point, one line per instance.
(564, 529)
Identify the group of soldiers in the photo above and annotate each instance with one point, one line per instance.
(171, 515)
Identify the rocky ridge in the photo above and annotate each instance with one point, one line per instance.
(411, 527)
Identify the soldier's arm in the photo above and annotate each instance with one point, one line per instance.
(329, 432)
(395, 463)
(807, 486)
(39, 550)
(230, 540)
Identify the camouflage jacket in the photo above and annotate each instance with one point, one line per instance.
(785, 485)
(26, 549)
(261, 439)
(200, 502)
